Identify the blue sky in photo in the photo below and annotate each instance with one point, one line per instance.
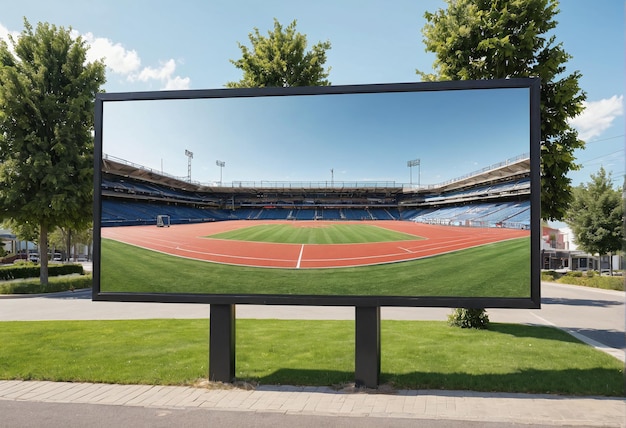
(360, 137)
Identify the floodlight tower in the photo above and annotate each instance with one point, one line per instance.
(411, 164)
(221, 164)
(189, 158)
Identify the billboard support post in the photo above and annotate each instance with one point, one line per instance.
(222, 343)
(367, 346)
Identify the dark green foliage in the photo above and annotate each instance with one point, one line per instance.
(281, 60)
(596, 215)
(47, 92)
(469, 318)
(484, 39)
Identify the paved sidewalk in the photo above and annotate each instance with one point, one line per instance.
(524, 409)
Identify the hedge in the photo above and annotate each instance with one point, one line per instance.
(32, 271)
(55, 285)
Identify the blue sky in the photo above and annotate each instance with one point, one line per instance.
(154, 45)
(361, 137)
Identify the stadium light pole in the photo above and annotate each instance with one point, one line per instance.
(411, 164)
(221, 164)
(189, 158)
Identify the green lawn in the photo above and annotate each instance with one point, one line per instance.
(494, 270)
(325, 234)
(415, 355)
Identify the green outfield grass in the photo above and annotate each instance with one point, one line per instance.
(494, 270)
(325, 234)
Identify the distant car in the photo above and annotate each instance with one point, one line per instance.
(33, 258)
(57, 257)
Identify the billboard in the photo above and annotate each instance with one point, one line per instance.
(408, 194)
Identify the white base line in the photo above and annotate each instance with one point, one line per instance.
(300, 257)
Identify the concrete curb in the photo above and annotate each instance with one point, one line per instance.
(321, 401)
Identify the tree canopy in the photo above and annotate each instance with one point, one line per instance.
(596, 215)
(47, 92)
(487, 39)
(281, 60)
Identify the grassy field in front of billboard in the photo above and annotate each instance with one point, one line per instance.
(416, 355)
(494, 270)
(328, 234)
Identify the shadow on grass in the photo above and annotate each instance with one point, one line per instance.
(537, 332)
(570, 382)
(610, 338)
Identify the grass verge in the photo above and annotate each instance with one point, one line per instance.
(415, 355)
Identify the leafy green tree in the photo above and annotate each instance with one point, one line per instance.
(488, 39)
(281, 60)
(67, 238)
(596, 215)
(47, 92)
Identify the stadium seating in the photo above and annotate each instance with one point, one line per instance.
(128, 201)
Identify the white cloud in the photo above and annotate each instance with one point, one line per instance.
(117, 58)
(4, 35)
(122, 61)
(178, 83)
(598, 116)
(164, 74)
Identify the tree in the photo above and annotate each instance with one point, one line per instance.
(281, 60)
(487, 39)
(596, 215)
(47, 92)
(68, 239)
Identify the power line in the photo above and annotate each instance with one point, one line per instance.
(601, 156)
(604, 139)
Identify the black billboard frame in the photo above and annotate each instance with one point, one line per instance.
(532, 302)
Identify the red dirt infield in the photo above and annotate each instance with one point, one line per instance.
(190, 241)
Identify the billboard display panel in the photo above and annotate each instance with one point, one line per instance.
(415, 194)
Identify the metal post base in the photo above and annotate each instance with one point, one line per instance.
(222, 343)
(367, 347)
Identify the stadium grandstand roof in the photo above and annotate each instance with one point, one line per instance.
(507, 170)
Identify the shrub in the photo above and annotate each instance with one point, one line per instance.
(575, 274)
(550, 275)
(469, 318)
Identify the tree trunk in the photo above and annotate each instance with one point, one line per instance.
(43, 254)
(69, 243)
